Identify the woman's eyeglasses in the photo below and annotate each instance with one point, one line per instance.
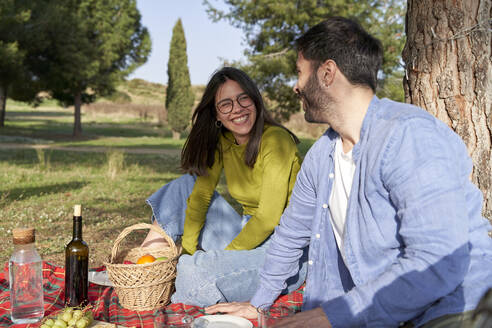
(225, 106)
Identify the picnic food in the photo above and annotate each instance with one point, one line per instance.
(76, 264)
(70, 317)
(142, 287)
(147, 258)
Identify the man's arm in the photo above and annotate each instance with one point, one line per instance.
(422, 174)
(286, 247)
(291, 236)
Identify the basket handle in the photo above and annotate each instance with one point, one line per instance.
(142, 226)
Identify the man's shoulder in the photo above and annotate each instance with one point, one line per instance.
(394, 122)
(396, 116)
(400, 112)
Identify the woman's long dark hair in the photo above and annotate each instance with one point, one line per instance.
(198, 153)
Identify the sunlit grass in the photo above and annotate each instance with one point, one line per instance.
(136, 142)
(112, 190)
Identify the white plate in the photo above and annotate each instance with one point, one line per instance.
(100, 278)
(226, 321)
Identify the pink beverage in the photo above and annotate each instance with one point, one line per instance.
(25, 279)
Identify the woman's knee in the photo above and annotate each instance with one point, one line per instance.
(194, 285)
(192, 275)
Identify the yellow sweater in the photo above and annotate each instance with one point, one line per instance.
(263, 191)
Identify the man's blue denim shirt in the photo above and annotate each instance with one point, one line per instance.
(415, 241)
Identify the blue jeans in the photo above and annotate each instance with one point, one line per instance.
(213, 275)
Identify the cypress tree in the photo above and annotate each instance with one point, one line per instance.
(179, 95)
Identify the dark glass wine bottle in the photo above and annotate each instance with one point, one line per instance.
(76, 264)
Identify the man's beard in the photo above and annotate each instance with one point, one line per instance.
(315, 101)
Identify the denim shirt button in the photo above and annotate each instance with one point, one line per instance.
(310, 262)
(331, 175)
(318, 236)
(325, 205)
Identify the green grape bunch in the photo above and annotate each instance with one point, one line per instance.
(70, 317)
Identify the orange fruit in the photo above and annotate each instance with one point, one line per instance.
(146, 259)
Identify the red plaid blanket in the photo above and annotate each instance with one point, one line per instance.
(104, 301)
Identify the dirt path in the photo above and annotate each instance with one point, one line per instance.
(92, 149)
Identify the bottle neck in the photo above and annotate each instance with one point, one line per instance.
(77, 227)
(24, 247)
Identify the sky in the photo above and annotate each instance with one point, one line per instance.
(207, 42)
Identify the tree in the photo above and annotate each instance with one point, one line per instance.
(11, 57)
(10, 65)
(272, 27)
(179, 95)
(17, 41)
(98, 43)
(449, 73)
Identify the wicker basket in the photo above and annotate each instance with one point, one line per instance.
(143, 286)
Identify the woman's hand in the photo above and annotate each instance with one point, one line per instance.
(240, 309)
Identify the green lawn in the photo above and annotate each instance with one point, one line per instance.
(55, 124)
(41, 192)
(39, 187)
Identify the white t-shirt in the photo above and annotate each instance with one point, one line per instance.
(343, 177)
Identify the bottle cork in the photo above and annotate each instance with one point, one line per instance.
(22, 236)
(77, 210)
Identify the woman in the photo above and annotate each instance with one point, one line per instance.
(231, 132)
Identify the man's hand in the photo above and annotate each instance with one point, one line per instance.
(243, 309)
(311, 318)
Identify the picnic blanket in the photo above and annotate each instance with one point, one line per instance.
(105, 301)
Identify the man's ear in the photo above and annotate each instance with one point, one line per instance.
(327, 72)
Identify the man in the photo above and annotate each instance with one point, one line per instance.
(383, 199)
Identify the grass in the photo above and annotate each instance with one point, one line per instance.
(38, 187)
(54, 124)
(111, 187)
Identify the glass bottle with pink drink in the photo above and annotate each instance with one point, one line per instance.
(25, 279)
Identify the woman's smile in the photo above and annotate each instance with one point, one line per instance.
(240, 119)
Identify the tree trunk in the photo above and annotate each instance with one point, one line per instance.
(449, 73)
(176, 135)
(77, 125)
(3, 103)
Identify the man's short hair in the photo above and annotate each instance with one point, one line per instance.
(357, 54)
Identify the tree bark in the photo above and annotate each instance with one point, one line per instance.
(449, 73)
(3, 104)
(77, 124)
(176, 135)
